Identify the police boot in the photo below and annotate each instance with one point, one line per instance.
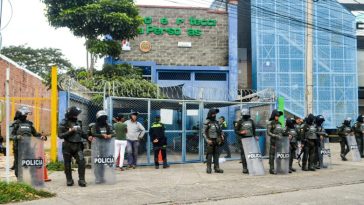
(343, 158)
(208, 164)
(68, 173)
(70, 181)
(245, 171)
(156, 164)
(304, 166)
(271, 171)
(165, 165)
(218, 170)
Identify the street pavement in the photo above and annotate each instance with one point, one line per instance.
(189, 184)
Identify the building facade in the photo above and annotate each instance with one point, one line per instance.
(278, 56)
(186, 46)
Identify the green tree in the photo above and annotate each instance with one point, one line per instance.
(37, 60)
(96, 19)
(125, 80)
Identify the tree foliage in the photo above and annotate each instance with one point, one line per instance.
(38, 61)
(126, 80)
(96, 19)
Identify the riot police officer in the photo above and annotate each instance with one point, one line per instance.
(70, 129)
(343, 131)
(244, 128)
(15, 141)
(22, 128)
(104, 132)
(309, 133)
(321, 134)
(292, 135)
(213, 135)
(274, 131)
(359, 132)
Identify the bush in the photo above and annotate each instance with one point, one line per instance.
(15, 192)
(55, 166)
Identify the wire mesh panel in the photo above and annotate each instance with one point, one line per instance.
(183, 121)
(125, 107)
(193, 134)
(170, 113)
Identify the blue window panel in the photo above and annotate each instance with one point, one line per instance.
(284, 65)
(297, 65)
(334, 57)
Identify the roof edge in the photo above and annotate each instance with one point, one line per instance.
(20, 67)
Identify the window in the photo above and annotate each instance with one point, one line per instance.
(174, 76)
(210, 76)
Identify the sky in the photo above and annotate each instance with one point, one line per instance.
(29, 26)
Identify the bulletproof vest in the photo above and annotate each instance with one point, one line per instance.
(76, 136)
(278, 130)
(311, 132)
(214, 129)
(294, 135)
(347, 130)
(361, 127)
(103, 131)
(247, 126)
(24, 129)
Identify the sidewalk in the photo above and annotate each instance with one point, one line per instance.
(190, 184)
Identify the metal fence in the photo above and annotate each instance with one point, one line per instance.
(183, 120)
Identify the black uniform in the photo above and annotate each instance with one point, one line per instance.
(99, 129)
(321, 134)
(274, 130)
(359, 131)
(343, 131)
(292, 133)
(244, 124)
(22, 128)
(213, 135)
(157, 133)
(309, 133)
(73, 145)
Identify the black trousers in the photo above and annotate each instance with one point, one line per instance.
(292, 155)
(359, 141)
(344, 146)
(163, 150)
(242, 155)
(272, 153)
(213, 152)
(309, 154)
(75, 150)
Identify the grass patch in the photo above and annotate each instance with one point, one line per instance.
(16, 192)
(55, 166)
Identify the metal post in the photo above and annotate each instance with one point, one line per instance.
(309, 58)
(54, 112)
(7, 121)
(148, 137)
(201, 150)
(184, 113)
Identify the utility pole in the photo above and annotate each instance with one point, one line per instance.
(309, 58)
(7, 123)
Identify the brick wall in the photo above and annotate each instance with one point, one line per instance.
(24, 84)
(208, 49)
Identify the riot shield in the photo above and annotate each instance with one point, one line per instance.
(103, 162)
(353, 146)
(282, 156)
(30, 161)
(253, 156)
(325, 153)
